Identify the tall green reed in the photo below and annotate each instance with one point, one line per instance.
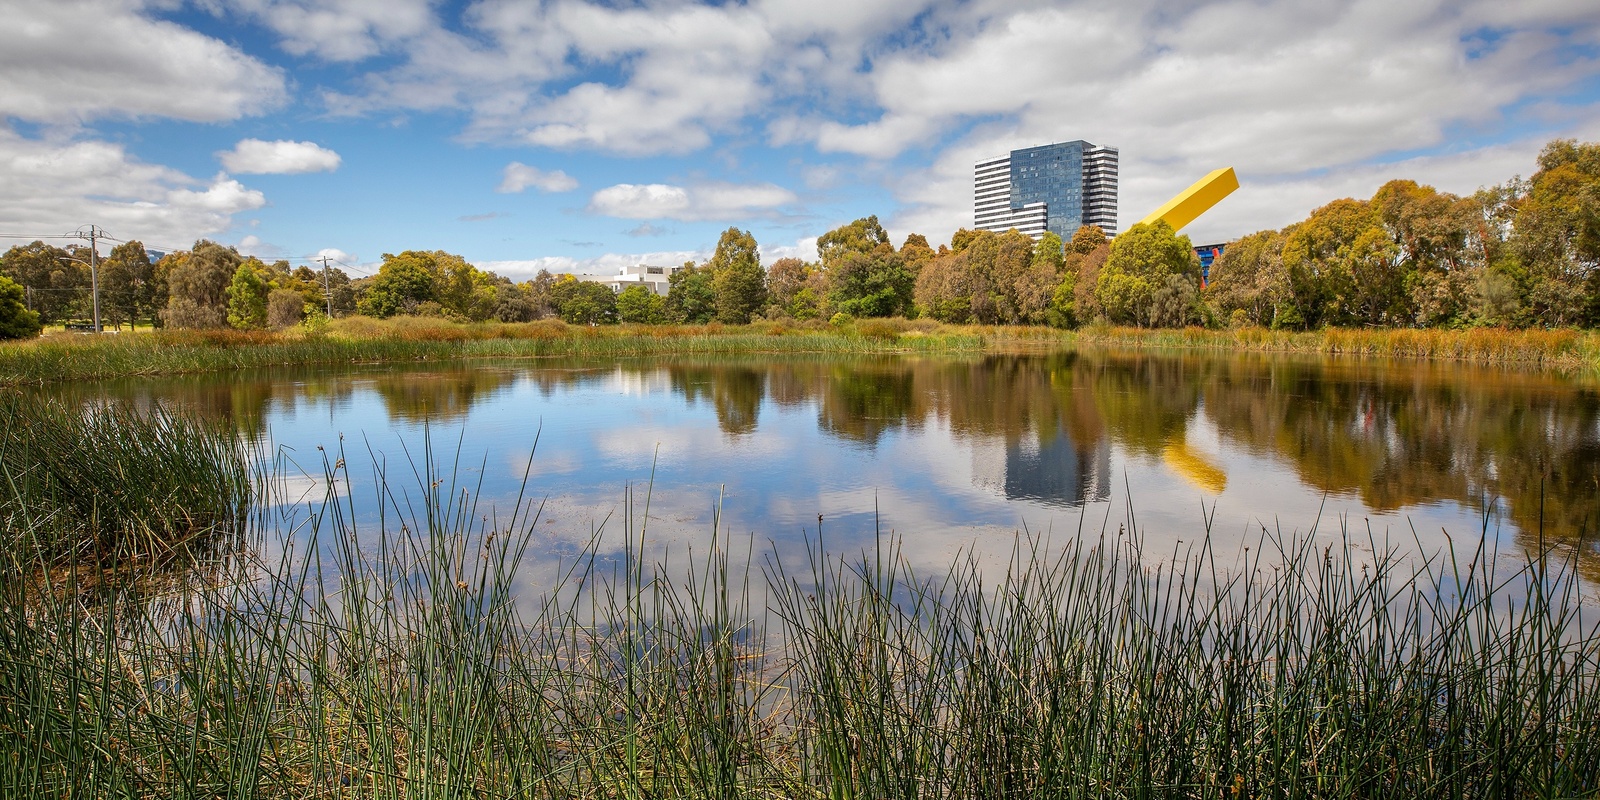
(389, 662)
(1311, 668)
(89, 484)
(402, 649)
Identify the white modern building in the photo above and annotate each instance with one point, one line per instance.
(653, 278)
(1100, 188)
(1054, 187)
(991, 204)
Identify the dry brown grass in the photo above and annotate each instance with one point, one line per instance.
(1563, 348)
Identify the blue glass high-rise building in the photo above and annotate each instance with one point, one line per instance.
(1055, 187)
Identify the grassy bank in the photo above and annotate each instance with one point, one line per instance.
(363, 340)
(406, 665)
(1562, 349)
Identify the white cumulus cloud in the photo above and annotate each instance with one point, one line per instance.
(805, 249)
(713, 201)
(282, 157)
(610, 263)
(335, 254)
(519, 176)
(339, 30)
(641, 201)
(224, 196)
(607, 264)
(123, 64)
(53, 187)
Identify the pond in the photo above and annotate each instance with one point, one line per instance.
(950, 452)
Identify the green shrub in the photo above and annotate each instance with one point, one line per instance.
(16, 321)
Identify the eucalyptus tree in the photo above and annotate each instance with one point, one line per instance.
(738, 281)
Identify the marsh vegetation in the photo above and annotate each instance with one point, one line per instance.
(398, 650)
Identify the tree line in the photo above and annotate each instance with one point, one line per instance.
(207, 286)
(1525, 253)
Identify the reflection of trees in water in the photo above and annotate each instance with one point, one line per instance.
(239, 400)
(734, 391)
(242, 405)
(1038, 430)
(1002, 396)
(1144, 402)
(1549, 470)
(562, 376)
(857, 400)
(860, 404)
(1400, 435)
(1382, 438)
(794, 385)
(439, 395)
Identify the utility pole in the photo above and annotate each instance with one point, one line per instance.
(327, 294)
(93, 235)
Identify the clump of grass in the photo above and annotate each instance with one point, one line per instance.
(97, 485)
(886, 329)
(393, 658)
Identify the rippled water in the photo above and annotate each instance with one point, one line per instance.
(948, 452)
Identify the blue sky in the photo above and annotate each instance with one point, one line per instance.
(582, 136)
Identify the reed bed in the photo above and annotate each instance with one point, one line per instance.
(408, 339)
(1563, 349)
(97, 485)
(393, 657)
(360, 340)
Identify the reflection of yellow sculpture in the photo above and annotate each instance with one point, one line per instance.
(1195, 200)
(1195, 467)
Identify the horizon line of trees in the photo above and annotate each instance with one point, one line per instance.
(1525, 253)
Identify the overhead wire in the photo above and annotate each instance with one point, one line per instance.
(167, 248)
(164, 247)
(357, 270)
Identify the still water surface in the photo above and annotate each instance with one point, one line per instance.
(951, 452)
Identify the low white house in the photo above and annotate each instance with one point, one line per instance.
(655, 278)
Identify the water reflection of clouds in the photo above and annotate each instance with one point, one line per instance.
(293, 487)
(679, 444)
(540, 464)
(960, 447)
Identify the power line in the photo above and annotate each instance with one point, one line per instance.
(170, 248)
(357, 270)
(162, 246)
(96, 233)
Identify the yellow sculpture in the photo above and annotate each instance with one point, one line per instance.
(1195, 200)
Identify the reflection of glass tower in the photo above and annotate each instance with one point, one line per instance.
(1056, 188)
(1057, 472)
